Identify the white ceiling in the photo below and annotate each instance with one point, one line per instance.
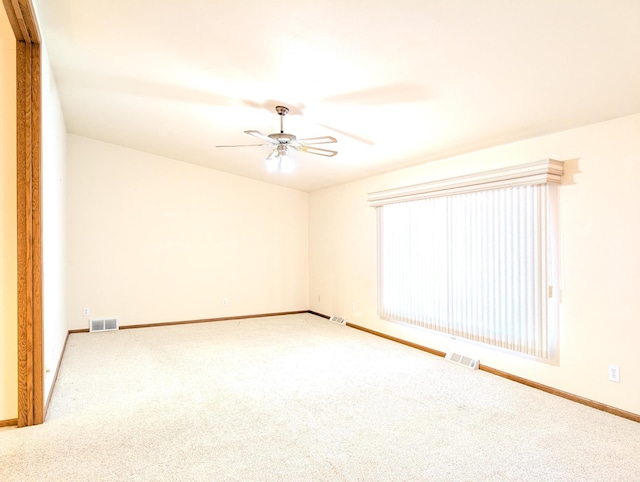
(396, 82)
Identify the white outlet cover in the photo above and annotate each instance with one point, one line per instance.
(614, 373)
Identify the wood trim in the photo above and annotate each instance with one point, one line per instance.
(29, 206)
(320, 314)
(22, 18)
(9, 423)
(36, 234)
(524, 381)
(561, 393)
(25, 342)
(398, 340)
(204, 320)
(23, 21)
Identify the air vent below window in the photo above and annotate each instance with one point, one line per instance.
(463, 360)
(338, 320)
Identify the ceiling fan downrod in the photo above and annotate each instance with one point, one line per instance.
(282, 111)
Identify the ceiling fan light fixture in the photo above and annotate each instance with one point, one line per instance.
(286, 164)
(273, 161)
(274, 154)
(278, 160)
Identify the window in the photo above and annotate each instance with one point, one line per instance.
(476, 261)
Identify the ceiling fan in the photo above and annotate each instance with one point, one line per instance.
(278, 160)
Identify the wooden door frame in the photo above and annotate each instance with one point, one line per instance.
(23, 21)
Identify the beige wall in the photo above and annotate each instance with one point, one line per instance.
(8, 241)
(151, 239)
(599, 257)
(54, 136)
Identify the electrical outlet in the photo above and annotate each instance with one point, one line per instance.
(85, 311)
(224, 302)
(318, 298)
(353, 307)
(614, 373)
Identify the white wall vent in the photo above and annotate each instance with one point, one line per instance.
(338, 320)
(105, 324)
(463, 360)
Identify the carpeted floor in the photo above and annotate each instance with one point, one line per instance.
(297, 398)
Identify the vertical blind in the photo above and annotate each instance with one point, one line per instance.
(474, 265)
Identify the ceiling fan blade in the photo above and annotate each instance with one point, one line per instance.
(245, 145)
(318, 140)
(316, 150)
(262, 136)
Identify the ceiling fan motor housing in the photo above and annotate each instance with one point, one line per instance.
(283, 138)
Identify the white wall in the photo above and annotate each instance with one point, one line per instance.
(54, 136)
(599, 257)
(153, 240)
(8, 224)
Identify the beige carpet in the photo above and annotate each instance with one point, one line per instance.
(298, 398)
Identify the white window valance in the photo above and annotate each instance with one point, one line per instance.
(539, 172)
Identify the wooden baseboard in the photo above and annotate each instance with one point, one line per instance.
(318, 314)
(561, 393)
(399, 340)
(524, 381)
(204, 320)
(9, 423)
